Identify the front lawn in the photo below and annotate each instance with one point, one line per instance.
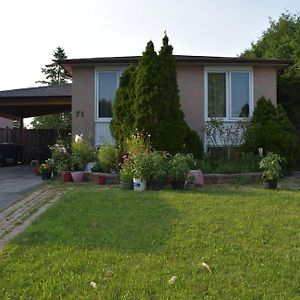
(131, 244)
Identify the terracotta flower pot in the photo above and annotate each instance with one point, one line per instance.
(77, 176)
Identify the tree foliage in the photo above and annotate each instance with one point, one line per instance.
(282, 41)
(271, 129)
(148, 101)
(54, 74)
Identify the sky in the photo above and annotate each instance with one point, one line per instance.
(32, 29)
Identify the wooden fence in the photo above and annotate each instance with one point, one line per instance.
(36, 142)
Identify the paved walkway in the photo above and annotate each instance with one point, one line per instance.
(18, 216)
(15, 183)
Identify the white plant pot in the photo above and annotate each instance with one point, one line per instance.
(139, 185)
(89, 166)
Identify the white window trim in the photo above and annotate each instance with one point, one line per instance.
(228, 70)
(99, 70)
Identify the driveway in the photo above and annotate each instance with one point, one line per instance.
(15, 182)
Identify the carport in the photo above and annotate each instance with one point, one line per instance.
(18, 104)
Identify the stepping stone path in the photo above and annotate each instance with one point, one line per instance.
(18, 216)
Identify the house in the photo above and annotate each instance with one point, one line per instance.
(209, 86)
(6, 123)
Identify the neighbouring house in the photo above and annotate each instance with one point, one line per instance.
(209, 86)
(6, 123)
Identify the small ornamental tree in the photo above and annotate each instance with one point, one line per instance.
(271, 129)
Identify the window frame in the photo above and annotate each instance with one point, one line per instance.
(228, 71)
(99, 70)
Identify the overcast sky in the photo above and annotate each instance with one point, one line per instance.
(32, 29)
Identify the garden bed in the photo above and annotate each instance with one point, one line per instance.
(109, 177)
(232, 178)
(208, 178)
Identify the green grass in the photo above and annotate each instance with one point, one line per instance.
(131, 244)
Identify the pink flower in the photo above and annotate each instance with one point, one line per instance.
(62, 150)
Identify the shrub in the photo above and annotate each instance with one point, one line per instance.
(82, 152)
(221, 164)
(180, 165)
(271, 130)
(126, 172)
(159, 166)
(142, 166)
(107, 156)
(193, 144)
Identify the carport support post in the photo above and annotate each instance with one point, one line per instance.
(21, 132)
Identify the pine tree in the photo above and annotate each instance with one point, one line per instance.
(54, 74)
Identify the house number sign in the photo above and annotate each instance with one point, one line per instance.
(79, 114)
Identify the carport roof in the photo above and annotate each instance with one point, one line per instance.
(35, 101)
(58, 90)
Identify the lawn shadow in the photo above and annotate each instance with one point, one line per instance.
(111, 219)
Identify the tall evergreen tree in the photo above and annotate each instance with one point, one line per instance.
(54, 74)
(146, 92)
(122, 123)
(151, 101)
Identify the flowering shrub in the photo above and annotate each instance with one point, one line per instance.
(107, 157)
(60, 157)
(126, 172)
(137, 143)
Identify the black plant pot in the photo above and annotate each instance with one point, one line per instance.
(46, 175)
(178, 185)
(272, 184)
(127, 185)
(156, 185)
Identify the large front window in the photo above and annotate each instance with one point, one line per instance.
(228, 94)
(107, 86)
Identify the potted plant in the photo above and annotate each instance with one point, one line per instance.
(141, 171)
(179, 169)
(159, 170)
(126, 175)
(61, 160)
(271, 166)
(45, 171)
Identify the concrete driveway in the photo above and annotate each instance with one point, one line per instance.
(15, 182)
